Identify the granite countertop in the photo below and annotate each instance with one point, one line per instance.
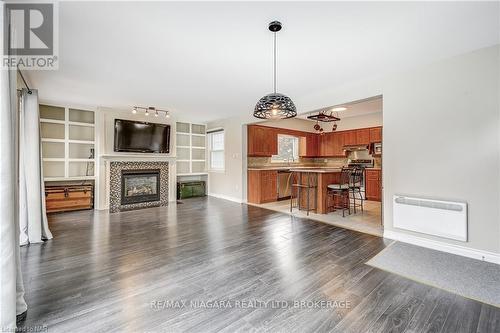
(292, 168)
(304, 168)
(316, 170)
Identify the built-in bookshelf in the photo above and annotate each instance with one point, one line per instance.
(68, 143)
(191, 149)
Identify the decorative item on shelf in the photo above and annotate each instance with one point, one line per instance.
(150, 109)
(275, 105)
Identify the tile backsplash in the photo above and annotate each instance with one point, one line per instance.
(262, 162)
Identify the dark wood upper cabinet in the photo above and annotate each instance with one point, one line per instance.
(309, 145)
(375, 134)
(363, 136)
(338, 144)
(350, 138)
(262, 141)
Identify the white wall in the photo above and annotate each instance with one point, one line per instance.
(105, 140)
(229, 184)
(441, 139)
(293, 123)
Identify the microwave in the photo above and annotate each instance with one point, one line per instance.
(377, 148)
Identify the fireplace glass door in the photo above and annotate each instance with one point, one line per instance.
(140, 186)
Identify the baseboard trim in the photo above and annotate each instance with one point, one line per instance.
(225, 197)
(444, 247)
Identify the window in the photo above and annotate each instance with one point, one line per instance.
(288, 149)
(216, 149)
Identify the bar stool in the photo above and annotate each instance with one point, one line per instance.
(309, 185)
(355, 186)
(338, 194)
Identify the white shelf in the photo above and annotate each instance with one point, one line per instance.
(82, 160)
(61, 159)
(82, 142)
(55, 179)
(188, 164)
(53, 140)
(52, 121)
(78, 123)
(82, 125)
(192, 174)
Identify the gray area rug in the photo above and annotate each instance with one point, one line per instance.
(467, 277)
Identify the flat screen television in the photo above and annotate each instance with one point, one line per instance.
(141, 137)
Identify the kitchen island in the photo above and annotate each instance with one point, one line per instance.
(321, 178)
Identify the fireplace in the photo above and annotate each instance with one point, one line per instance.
(150, 179)
(140, 186)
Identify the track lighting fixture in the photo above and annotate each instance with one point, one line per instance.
(150, 109)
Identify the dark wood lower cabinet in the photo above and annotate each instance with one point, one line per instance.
(373, 184)
(262, 186)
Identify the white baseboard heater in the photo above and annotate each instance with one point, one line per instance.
(446, 219)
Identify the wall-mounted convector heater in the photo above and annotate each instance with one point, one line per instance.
(446, 219)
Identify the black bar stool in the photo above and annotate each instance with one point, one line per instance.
(309, 185)
(355, 186)
(338, 194)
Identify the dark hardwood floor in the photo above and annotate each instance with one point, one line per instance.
(117, 272)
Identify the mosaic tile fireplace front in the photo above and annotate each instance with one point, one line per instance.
(135, 185)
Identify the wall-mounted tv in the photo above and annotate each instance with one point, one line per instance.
(141, 137)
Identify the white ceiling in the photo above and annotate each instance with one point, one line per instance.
(206, 61)
(354, 108)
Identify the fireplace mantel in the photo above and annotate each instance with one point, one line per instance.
(105, 161)
(137, 157)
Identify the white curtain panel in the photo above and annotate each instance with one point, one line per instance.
(11, 284)
(32, 211)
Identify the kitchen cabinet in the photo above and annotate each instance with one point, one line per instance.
(375, 134)
(363, 136)
(262, 186)
(373, 184)
(331, 144)
(262, 141)
(309, 145)
(325, 145)
(337, 141)
(349, 138)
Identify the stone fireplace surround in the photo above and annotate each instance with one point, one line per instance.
(115, 184)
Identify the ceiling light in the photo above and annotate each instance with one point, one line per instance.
(275, 105)
(339, 108)
(150, 109)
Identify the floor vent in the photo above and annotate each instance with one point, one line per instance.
(447, 219)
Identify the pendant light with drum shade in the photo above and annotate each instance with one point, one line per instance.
(275, 105)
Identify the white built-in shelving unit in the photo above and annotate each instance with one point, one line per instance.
(68, 136)
(191, 149)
